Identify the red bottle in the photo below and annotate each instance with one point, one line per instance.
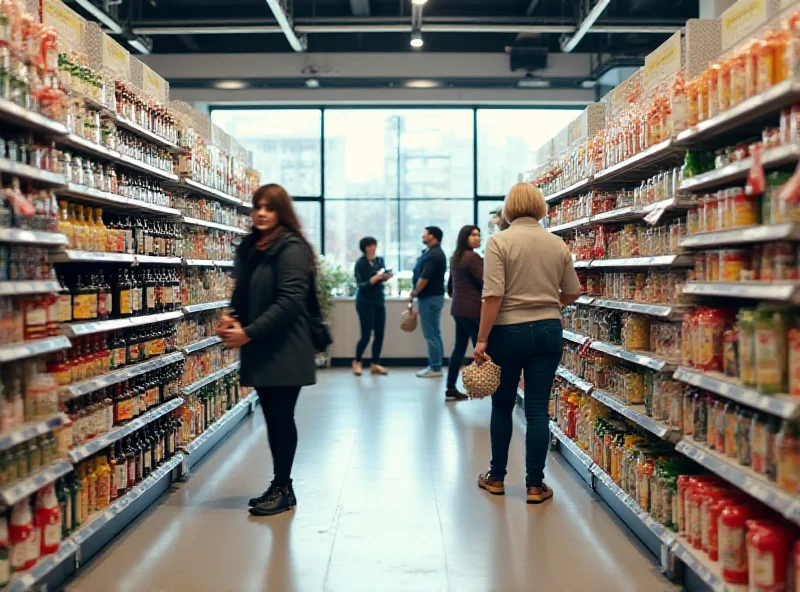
(48, 520)
(732, 543)
(768, 546)
(22, 537)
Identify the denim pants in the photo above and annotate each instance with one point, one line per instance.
(535, 348)
(466, 329)
(430, 316)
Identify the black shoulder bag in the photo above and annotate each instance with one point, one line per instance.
(320, 335)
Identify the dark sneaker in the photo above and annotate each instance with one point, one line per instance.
(490, 484)
(455, 394)
(279, 501)
(538, 495)
(254, 501)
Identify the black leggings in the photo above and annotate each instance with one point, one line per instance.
(278, 403)
(373, 318)
(466, 329)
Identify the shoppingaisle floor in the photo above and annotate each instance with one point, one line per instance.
(385, 478)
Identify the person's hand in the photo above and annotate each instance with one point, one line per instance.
(411, 297)
(480, 352)
(387, 276)
(235, 337)
(227, 322)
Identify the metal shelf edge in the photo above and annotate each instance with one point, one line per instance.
(11, 493)
(36, 347)
(87, 386)
(83, 451)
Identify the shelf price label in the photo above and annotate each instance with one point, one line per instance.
(741, 19)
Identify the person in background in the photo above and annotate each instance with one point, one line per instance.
(528, 277)
(274, 270)
(464, 287)
(428, 282)
(371, 275)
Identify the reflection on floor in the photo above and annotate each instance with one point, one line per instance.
(385, 477)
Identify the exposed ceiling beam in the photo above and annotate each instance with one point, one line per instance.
(285, 23)
(570, 43)
(100, 15)
(360, 7)
(427, 27)
(532, 7)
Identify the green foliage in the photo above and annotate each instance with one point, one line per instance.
(332, 281)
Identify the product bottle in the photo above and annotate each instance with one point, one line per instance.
(103, 482)
(48, 520)
(24, 551)
(65, 506)
(5, 563)
(121, 470)
(130, 456)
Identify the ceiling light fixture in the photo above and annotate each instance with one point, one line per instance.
(312, 83)
(418, 2)
(423, 84)
(139, 46)
(533, 83)
(230, 84)
(416, 40)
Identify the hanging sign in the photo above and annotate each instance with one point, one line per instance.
(153, 84)
(70, 26)
(116, 58)
(741, 19)
(663, 63)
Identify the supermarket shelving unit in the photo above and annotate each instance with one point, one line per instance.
(678, 558)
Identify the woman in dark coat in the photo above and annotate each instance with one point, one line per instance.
(464, 287)
(269, 322)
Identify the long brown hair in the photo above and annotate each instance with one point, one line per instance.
(278, 200)
(462, 243)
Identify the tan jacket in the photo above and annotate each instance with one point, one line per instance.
(529, 268)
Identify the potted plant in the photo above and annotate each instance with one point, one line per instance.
(332, 281)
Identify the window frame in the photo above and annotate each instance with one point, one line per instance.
(322, 108)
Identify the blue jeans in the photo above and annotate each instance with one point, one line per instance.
(430, 316)
(536, 349)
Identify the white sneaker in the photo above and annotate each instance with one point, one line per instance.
(429, 373)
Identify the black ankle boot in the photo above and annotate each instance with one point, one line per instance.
(278, 501)
(254, 501)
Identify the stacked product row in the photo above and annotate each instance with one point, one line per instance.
(679, 389)
(117, 227)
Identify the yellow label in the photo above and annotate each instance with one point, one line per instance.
(663, 62)
(153, 84)
(67, 22)
(741, 19)
(116, 58)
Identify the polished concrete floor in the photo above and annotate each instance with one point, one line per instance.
(385, 476)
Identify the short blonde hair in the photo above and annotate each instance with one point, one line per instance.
(524, 200)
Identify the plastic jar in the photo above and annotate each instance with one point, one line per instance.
(747, 346)
(732, 542)
(768, 547)
(771, 329)
(732, 262)
(744, 208)
(710, 328)
(738, 81)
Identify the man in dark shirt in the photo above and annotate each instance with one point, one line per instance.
(429, 290)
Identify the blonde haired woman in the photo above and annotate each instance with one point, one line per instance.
(528, 277)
